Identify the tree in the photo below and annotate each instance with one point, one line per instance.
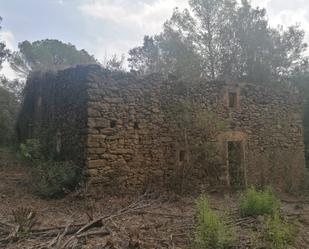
(8, 103)
(47, 55)
(221, 39)
(144, 58)
(4, 52)
(15, 87)
(8, 112)
(170, 52)
(115, 63)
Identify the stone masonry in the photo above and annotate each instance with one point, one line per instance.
(114, 126)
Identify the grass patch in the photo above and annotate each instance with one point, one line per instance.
(254, 203)
(211, 232)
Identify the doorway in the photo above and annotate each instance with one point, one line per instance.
(235, 156)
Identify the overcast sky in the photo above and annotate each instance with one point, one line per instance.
(105, 27)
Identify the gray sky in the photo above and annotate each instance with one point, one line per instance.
(106, 27)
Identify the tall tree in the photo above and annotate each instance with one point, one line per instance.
(221, 39)
(8, 103)
(47, 55)
(4, 52)
(8, 113)
(145, 58)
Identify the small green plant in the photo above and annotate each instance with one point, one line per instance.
(210, 231)
(254, 203)
(277, 232)
(53, 179)
(31, 150)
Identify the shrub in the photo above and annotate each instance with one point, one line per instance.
(211, 232)
(54, 179)
(254, 203)
(31, 150)
(277, 232)
(51, 179)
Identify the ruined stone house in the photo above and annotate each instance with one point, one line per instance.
(113, 125)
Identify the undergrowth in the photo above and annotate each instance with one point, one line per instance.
(253, 202)
(277, 232)
(211, 232)
(31, 151)
(54, 179)
(50, 178)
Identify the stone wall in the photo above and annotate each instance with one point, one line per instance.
(116, 126)
(131, 143)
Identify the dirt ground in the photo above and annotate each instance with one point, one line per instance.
(149, 221)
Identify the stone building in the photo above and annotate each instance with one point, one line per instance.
(115, 127)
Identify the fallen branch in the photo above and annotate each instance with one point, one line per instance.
(100, 221)
(91, 233)
(165, 214)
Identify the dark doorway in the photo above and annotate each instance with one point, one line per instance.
(235, 164)
(232, 99)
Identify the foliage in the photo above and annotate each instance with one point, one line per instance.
(47, 55)
(210, 231)
(115, 63)
(15, 86)
(8, 104)
(54, 179)
(51, 179)
(278, 233)
(8, 114)
(4, 52)
(254, 203)
(31, 150)
(219, 39)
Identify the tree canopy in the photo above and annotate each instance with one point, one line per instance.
(4, 52)
(221, 39)
(47, 54)
(8, 112)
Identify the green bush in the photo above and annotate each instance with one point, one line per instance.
(51, 179)
(31, 150)
(210, 231)
(277, 232)
(54, 179)
(254, 203)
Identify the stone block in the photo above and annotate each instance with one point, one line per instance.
(100, 163)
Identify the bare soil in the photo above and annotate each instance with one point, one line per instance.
(156, 221)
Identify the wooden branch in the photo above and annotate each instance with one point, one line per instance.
(165, 214)
(58, 243)
(91, 233)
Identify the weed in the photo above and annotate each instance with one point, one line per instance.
(277, 232)
(31, 150)
(211, 232)
(254, 203)
(54, 179)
